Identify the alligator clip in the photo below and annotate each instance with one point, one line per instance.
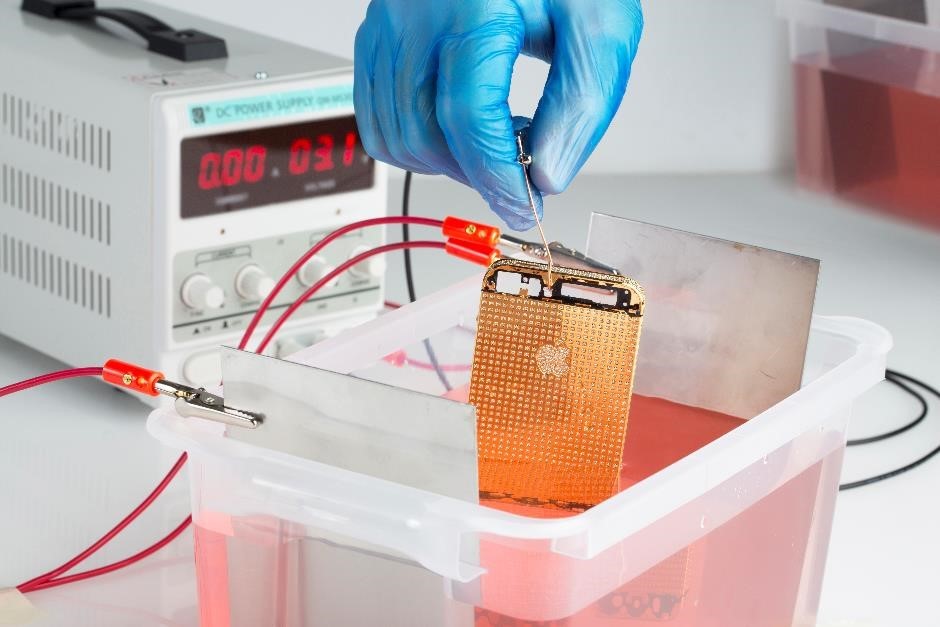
(480, 243)
(190, 402)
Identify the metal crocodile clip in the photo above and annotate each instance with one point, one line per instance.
(198, 403)
(563, 255)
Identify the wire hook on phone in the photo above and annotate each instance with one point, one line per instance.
(525, 160)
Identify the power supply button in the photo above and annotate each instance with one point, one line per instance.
(199, 292)
(252, 283)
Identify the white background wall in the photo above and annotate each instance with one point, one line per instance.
(710, 90)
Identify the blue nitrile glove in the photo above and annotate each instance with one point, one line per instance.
(432, 83)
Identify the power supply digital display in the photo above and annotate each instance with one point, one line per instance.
(248, 169)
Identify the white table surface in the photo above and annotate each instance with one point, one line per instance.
(75, 457)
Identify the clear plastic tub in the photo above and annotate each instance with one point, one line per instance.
(867, 88)
(718, 531)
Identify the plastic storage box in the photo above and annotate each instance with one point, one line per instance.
(867, 87)
(735, 533)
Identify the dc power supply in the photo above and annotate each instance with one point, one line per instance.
(148, 202)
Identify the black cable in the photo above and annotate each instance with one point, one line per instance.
(893, 374)
(410, 279)
(924, 410)
(406, 236)
(910, 379)
(890, 475)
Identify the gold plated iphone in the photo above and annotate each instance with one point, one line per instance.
(551, 382)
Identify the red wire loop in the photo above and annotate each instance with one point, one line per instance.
(110, 568)
(37, 583)
(55, 576)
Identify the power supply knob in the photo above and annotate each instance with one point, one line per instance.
(372, 268)
(314, 270)
(199, 292)
(252, 283)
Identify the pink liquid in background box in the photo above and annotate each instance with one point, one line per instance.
(760, 569)
(868, 127)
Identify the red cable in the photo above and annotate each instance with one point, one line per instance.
(284, 317)
(310, 254)
(33, 584)
(326, 280)
(61, 375)
(110, 568)
(48, 580)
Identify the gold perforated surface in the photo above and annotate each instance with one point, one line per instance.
(668, 577)
(551, 383)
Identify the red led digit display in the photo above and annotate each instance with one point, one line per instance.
(300, 156)
(232, 162)
(231, 168)
(324, 154)
(248, 169)
(349, 152)
(210, 171)
(254, 164)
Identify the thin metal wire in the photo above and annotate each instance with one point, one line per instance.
(525, 160)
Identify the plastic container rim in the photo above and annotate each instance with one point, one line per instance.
(854, 22)
(640, 505)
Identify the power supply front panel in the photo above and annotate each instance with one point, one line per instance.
(248, 179)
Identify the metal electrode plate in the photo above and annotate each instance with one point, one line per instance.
(727, 324)
(390, 433)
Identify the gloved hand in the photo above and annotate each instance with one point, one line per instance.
(432, 83)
